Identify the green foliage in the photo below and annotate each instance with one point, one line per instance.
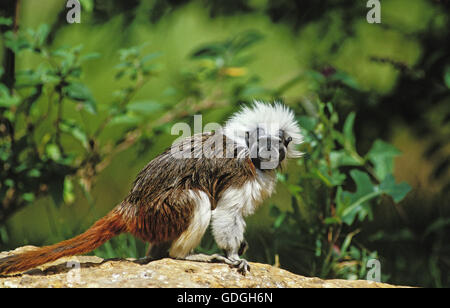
(335, 193)
(122, 246)
(34, 160)
(221, 71)
(46, 152)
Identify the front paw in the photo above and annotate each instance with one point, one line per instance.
(241, 264)
(243, 267)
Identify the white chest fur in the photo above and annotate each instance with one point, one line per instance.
(228, 223)
(244, 200)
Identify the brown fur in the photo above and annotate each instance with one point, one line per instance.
(157, 209)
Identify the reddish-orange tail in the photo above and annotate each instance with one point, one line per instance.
(103, 230)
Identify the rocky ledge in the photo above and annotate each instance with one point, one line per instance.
(94, 272)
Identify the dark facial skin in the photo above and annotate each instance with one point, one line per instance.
(267, 151)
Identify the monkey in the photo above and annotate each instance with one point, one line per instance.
(208, 179)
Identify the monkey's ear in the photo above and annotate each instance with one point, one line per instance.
(283, 138)
(287, 141)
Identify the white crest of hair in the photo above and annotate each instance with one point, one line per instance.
(270, 117)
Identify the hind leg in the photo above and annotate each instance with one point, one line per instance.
(191, 237)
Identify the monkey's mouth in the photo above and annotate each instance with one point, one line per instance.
(267, 153)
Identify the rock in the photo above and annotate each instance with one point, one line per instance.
(94, 272)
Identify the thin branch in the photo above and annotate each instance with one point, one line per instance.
(58, 122)
(140, 83)
(16, 17)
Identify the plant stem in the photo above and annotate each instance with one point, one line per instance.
(58, 121)
(139, 84)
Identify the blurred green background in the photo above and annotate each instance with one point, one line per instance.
(209, 57)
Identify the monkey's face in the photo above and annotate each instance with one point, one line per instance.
(267, 151)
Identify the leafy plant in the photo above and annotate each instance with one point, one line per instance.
(34, 159)
(44, 152)
(335, 193)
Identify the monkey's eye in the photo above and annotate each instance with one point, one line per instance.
(281, 134)
(260, 132)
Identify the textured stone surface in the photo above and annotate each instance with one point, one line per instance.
(93, 272)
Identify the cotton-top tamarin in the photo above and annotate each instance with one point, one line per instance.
(214, 178)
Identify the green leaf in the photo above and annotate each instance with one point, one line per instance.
(382, 156)
(349, 137)
(144, 107)
(363, 183)
(119, 74)
(79, 92)
(129, 53)
(244, 40)
(61, 52)
(396, 191)
(16, 42)
(345, 79)
(347, 241)
(125, 119)
(342, 158)
(334, 179)
(447, 76)
(438, 225)
(87, 5)
(295, 190)
(7, 100)
(352, 205)
(349, 205)
(210, 51)
(9, 183)
(332, 220)
(41, 34)
(68, 194)
(6, 21)
(28, 197)
(318, 248)
(250, 91)
(316, 76)
(52, 151)
(72, 128)
(281, 177)
(306, 122)
(280, 219)
(34, 173)
(150, 57)
(90, 56)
